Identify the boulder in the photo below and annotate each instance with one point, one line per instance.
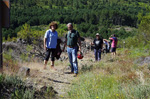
(147, 60)
(143, 60)
(24, 71)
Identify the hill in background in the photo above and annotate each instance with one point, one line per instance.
(90, 16)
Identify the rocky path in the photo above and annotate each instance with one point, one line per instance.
(60, 79)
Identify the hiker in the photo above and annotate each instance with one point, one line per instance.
(106, 45)
(98, 45)
(72, 41)
(50, 43)
(114, 40)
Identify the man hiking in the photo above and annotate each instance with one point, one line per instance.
(113, 44)
(72, 41)
(98, 45)
(50, 43)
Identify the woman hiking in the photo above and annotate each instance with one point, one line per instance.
(50, 43)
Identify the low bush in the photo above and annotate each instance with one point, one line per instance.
(12, 87)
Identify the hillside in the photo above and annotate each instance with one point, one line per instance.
(91, 16)
(125, 76)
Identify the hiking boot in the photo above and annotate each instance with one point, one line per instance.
(75, 75)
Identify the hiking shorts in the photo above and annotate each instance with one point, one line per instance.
(50, 52)
(113, 49)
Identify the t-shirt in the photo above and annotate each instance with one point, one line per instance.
(98, 43)
(51, 39)
(72, 38)
(114, 42)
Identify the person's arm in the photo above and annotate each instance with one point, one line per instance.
(102, 45)
(79, 40)
(105, 40)
(92, 43)
(65, 43)
(44, 43)
(110, 37)
(45, 38)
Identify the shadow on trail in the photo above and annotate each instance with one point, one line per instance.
(67, 73)
(58, 81)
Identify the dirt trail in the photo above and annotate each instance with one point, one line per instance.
(60, 80)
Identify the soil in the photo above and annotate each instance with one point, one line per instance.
(61, 79)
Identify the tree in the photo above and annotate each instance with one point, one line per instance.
(144, 29)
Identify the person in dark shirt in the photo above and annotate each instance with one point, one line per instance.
(72, 38)
(98, 45)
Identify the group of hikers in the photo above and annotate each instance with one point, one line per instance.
(73, 44)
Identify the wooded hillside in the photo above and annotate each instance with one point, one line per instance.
(91, 16)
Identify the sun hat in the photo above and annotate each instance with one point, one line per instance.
(97, 34)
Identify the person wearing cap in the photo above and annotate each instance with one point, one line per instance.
(98, 45)
(50, 43)
(72, 41)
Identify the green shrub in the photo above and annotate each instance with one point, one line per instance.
(1, 78)
(20, 90)
(23, 94)
(136, 91)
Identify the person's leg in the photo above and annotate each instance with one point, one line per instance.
(45, 63)
(74, 59)
(99, 54)
(95, 53)
(46, 58)
(70, 58)
(115, 52)
(106, 49)
(52, 58)
(112, 52)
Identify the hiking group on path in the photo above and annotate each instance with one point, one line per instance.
(73, 44)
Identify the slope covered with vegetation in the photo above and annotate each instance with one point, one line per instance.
(118, 78)
(91, 16)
